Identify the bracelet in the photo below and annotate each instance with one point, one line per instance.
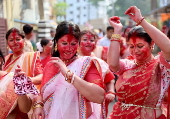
(72, 80)
(116, 40)
(36, 106)
(110, 92)
(68, 76)
(116, 36)
(140, 21)
(39, 103)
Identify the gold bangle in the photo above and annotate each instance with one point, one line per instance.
(36, 106)
(116, 36)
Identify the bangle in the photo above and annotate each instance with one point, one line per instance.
(110, 92)
(116, 40)
(140, 21)
(72, 80)
(36, 106)
(39, 103)
(116, 36)
(68, 76)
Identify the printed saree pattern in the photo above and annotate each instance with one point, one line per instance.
(140, 86)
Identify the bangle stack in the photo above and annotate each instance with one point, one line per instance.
(38, 104)
(69, 77)
(116, 37)
(140, 21)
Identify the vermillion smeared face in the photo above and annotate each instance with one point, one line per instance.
(48, 47)
(87, 44)
(15, 42)
(67, 46)
(139, 49)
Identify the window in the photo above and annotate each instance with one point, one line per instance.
(71, 12)
(84, 7)
(26, 4)
(78, 8)
(71, 5)
(84, 15)
(78, 16)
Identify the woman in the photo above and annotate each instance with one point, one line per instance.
(45, 55)
(7, 85)
(63, 100)
(100, 51)
(142, 81)
(29, 61)
(86, 48)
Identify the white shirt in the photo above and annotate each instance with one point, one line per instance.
(104, 42)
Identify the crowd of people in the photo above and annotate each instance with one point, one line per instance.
(76, 74)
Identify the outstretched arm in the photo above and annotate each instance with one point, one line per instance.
(157, 36)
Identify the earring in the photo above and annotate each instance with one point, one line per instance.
(55, 49)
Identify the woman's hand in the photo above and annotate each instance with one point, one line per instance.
(60, 64)
(110, 97)
(38, 113)
(134, 13)
(19, 71)
(115, 22)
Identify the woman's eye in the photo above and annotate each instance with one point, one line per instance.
(92, 40)
(64, 43)
(140, 46)
(73, 43)
(85, 39)
(131, 46)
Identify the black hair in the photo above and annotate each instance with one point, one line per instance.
(27, 28)
(2, 56)
(109, 28)
(17, 31)
(139, 32)
(44, 42)
(168, 33)
(62, 29)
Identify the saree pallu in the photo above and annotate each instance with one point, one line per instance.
(140, 86)
(63, 101)
(7, 95)
(27, 61)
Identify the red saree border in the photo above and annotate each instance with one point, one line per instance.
(7, 58)
(7, 100)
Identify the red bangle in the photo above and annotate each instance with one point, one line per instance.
(140, 21)
(110, 92)
(116, 40)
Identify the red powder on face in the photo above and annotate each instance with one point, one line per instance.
(87, 46)
(67, 46)
(14, 32)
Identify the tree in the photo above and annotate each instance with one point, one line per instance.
(59, 9)
(121, 5)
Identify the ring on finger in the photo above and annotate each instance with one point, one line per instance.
(58, 60)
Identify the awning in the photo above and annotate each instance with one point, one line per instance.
(24, 22)
(165, 9)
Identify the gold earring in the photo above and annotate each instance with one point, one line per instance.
(55, 49)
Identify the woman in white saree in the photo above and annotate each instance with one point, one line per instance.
(70, 83)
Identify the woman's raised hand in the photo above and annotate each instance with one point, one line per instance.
(60, 64)
(134, 13)
(115, 22)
